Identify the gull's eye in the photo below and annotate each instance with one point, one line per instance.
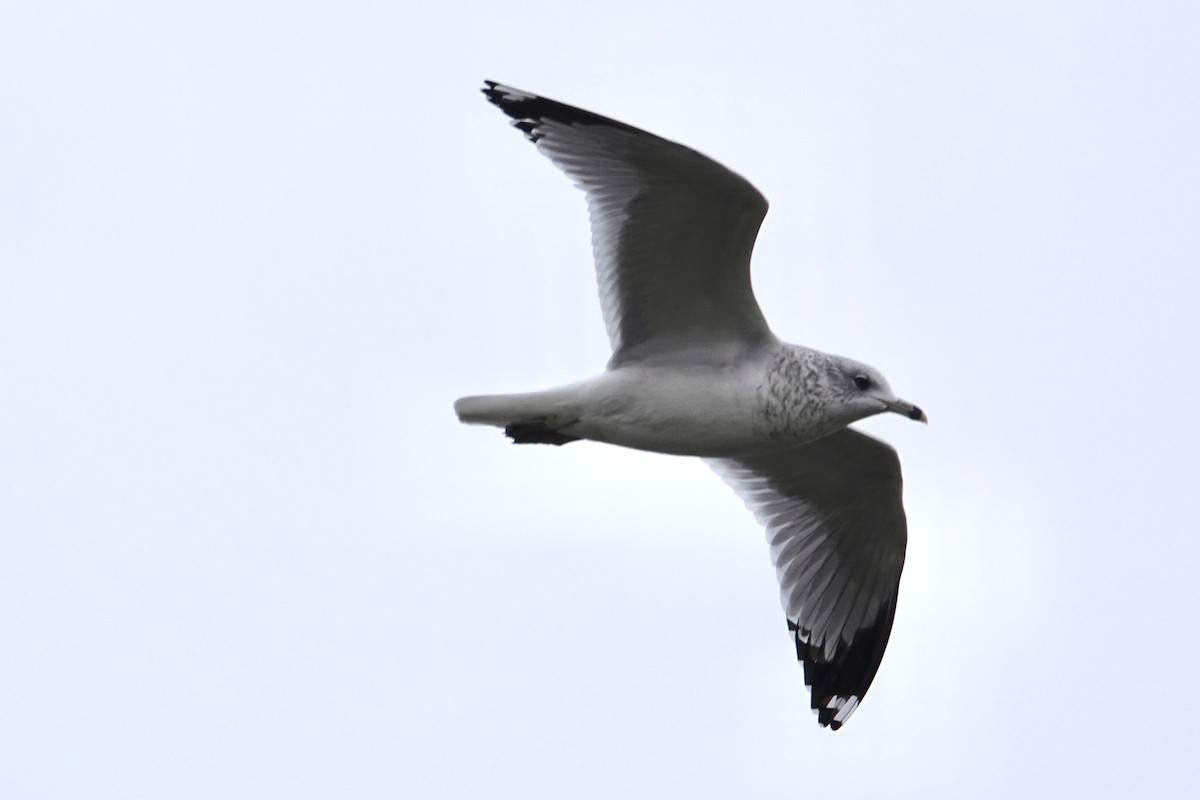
(862, 382)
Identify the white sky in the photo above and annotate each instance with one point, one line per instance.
(251, 252)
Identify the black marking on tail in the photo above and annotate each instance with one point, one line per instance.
(536, 432)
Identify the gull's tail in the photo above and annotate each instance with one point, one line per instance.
(533, 418)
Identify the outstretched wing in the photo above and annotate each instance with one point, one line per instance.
(835, 521)
(672, 230)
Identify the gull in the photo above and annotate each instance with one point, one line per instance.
(695, 371)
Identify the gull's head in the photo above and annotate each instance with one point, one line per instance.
(864, 392)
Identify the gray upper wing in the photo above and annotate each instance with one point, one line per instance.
(672, 230)
(835, 522)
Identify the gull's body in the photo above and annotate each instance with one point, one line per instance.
(696, 371)
(715, 405)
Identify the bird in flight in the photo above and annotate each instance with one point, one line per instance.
(695, 371)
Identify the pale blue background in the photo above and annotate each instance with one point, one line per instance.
(251, 252)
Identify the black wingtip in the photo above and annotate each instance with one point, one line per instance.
(495, 94)
(506, 98)
(839, 685)
(529, 111)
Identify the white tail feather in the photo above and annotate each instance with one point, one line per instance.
(502, 410)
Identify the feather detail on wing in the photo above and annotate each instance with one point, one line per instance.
(835, 522)
(672, 230)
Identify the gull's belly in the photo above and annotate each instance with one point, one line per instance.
(693, 410)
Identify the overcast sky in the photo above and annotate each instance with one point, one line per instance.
(251, 252)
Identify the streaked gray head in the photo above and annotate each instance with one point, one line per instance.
(861, 391)
(809, 394)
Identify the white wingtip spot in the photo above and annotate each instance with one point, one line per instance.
(843, 707)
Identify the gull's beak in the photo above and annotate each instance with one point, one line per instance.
(906, 409)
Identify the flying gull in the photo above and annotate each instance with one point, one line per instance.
(695, 371)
